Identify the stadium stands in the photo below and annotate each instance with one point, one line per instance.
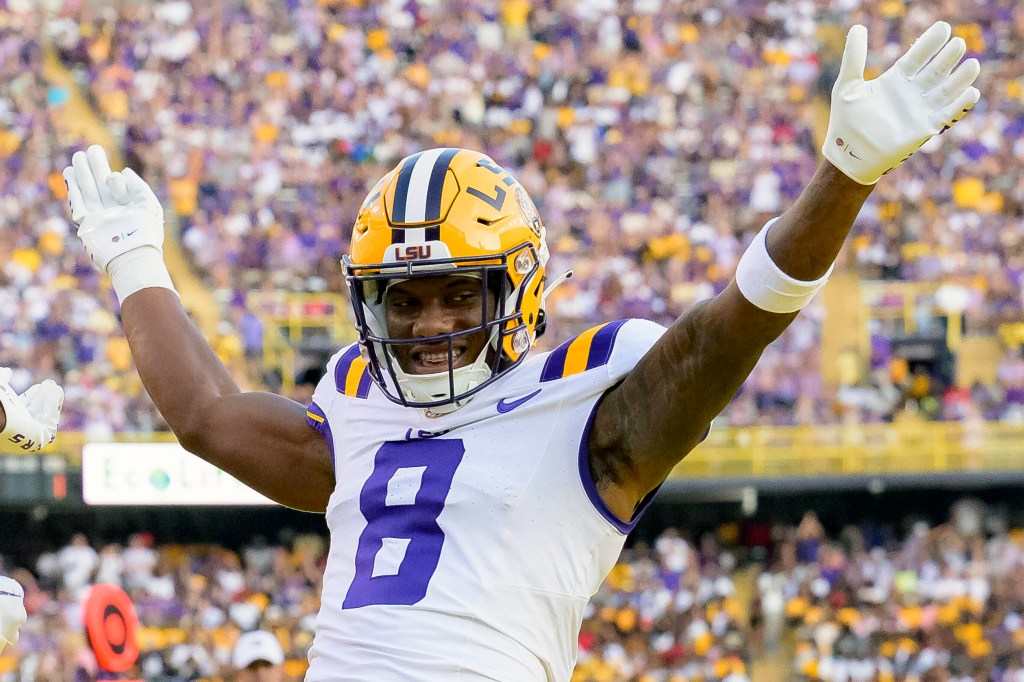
(695, 186)
(192, 602)
(55, 319)
(654, 139)
(872, 602)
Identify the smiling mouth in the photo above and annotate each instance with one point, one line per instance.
(432, 361)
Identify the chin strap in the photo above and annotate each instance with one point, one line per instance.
(558, 281)
(542, 315)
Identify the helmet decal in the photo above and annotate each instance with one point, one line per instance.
(528, 210)
(419, 195)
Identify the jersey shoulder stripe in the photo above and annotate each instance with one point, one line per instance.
(317, 418)
(351, 375)
(591, 349)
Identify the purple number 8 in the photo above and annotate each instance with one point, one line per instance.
(403, 516)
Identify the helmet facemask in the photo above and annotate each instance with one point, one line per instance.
(501, 321)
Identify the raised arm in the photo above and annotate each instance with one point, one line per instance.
(648, 423)
(660, 411)
(259, 438)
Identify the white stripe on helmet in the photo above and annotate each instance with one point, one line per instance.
(416, 199)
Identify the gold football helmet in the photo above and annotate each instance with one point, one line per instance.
(448, 212)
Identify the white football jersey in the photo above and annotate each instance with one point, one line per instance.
(464, 547)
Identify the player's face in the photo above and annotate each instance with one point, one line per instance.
(430, 306)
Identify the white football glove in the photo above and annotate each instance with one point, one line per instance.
(120, 222)
(31, 417)
(12, 611)
(875, 125)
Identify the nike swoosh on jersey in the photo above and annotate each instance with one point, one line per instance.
(8, 594)
(509, 405)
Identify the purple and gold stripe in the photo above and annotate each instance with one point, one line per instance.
(351, 375)
(592, 348)
(317, 419)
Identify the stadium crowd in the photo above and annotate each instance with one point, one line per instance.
(945, 604)
(869, 604)
(655, 136)
(192, 602)
(55, 319)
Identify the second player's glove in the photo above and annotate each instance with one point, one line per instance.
(875, 125)
(120, 222)
(12, 611)
(31, 417)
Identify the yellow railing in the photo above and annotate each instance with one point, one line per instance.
(898, 300)
(806, 450)
(1012, 334)
(902, 301)
(856, 449)
(286, 316)
(279, 355)
(294, 313)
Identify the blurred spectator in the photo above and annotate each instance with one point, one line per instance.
(138, 561)
(78, 563)
(258, 657)
(809, 535)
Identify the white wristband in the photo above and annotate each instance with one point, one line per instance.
(765, 285)
(139, 269)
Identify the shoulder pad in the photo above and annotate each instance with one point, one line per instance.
(351, 375)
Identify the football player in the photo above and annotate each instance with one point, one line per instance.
(28, 422)
(477, 494)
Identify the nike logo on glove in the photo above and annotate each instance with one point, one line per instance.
(118, 237)
(509, 405)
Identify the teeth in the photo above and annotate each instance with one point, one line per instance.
(434, 358)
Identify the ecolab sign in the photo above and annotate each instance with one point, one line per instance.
(157, 474)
